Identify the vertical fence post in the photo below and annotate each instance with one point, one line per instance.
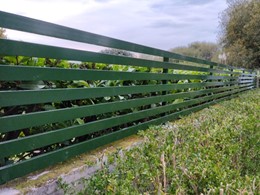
(210, 73)
(257, 81)
(241, 77)
(165, 71)
(257, 77)
(211, 67)
(231, 70)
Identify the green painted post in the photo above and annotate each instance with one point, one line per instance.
(210, 73)
(165, 71)
(231, 74)
(211, 67)
(257, 78)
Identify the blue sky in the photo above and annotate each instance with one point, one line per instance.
(161, 24)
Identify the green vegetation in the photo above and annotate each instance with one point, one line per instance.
(203, 50)
(240, 33)
(214, 151)
(117, 52)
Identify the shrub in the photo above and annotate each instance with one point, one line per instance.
(213, 151)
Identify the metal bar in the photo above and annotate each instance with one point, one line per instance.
(14, 48)
(28, 73)
(10, 172)
(40, 118)
(9, 98)
(39, 140)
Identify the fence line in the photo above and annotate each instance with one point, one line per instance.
(51, 112)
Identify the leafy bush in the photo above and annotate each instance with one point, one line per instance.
(214, 151)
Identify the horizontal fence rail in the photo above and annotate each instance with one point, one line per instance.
(53, 109)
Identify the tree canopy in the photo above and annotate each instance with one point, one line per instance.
(117, 52)
(203, 50)
(240, 33)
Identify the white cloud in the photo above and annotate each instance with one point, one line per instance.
(48, 10)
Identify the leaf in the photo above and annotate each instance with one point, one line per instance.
(107, 98)
(81, 83)
(80, 121)
(32, 85)
(48, 107)
(121, 97)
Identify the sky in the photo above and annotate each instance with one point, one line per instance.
(162, 24)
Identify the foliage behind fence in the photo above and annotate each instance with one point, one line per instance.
(52, 110)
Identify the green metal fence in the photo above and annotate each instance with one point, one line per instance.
(45, 125)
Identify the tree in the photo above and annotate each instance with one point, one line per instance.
(117, 52)
(2, 33)
(240, 33)
(203, 50)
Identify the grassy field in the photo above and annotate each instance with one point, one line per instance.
(214, 151)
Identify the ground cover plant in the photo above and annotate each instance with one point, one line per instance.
(214, 151)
